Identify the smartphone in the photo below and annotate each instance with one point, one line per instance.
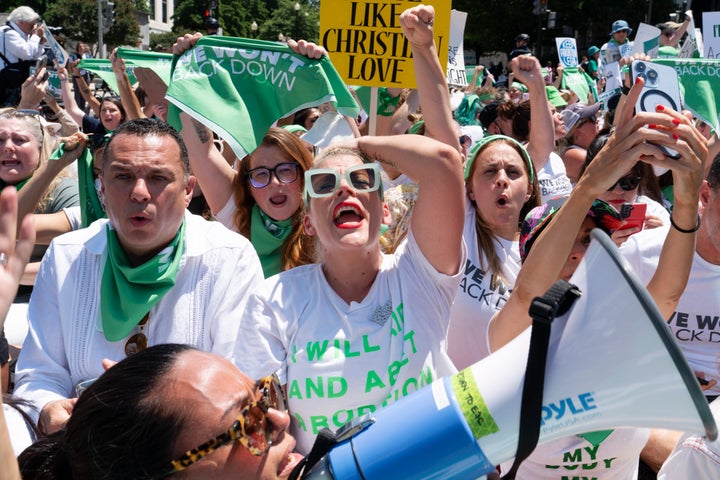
(82, 386)
(661, 87)
(633, 214)
(41, 62)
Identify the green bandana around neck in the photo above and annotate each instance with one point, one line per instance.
(267, 236)
(127, 293)
(17, 186)
(91, 208)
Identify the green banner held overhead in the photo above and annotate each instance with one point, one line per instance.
(160, 63)
(580, 82)
(239, 87)
(103, 69)
(700, 85)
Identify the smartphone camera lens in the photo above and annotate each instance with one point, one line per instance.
(640, 67)
(642, 75)
(652, 77)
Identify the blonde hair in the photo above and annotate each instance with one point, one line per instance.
(46, 144)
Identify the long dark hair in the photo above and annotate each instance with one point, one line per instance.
(120, 427)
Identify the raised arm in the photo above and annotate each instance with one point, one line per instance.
(69, 102)
(127, 96)
(541, 141)
(34, 189)
(14, 257)
(213, 173)
(549, 253)
(417, 25)
(84, 88)
(437, 219)
(673, 270)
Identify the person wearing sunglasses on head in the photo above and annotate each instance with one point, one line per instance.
(638, 185)
(360, 329)
(150, 273)
(170, 411)
(44, 186)
(262, 198)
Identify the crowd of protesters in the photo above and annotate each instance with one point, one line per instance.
(159, 272)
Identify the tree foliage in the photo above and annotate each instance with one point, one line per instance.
(493, 24)
(272, 17)
(79, 20)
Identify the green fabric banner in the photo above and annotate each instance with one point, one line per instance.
(699, 81)
(581, 83)
(160, 63)
(103, 69)
(239, 87)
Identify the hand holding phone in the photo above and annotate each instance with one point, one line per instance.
(662, 87)
(633, 215)
(41, 62)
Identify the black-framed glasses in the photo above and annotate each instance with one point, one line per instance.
(286, 172)
(252, 427)
(323, 182)
(626, 183)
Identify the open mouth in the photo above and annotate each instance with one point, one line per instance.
(347, 216)
(10, 163)
(139, 220)
(502, 201)
(278, 200)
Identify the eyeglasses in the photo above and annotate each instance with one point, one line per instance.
(465, 139)
(261, 177)
(323, 182)
(626, 183)
(252, 428)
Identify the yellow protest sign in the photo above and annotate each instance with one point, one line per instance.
(366, 43)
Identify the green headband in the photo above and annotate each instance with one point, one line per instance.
(485, 140)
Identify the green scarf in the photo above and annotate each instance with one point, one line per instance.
(267, 236)
(17, 186)
(127, 293)
(90, 207)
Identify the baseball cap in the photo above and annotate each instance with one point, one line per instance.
(575, 113)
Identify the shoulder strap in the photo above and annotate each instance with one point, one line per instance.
(543, 310)
(5, 29)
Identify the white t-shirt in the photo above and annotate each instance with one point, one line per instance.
(476, 301)
(614, 458)
(21, 434)
(694, 456)
(342, 361)
(553, 179)
(695, 324)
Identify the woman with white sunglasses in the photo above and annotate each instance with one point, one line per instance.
(360, 329)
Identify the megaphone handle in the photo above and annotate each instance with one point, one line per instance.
(543, 310)
(324, 442)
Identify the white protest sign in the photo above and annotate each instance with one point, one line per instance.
(567, 51)
(711, 34)
(613, 80)
(456, 57)
(60, 54)
(693, 40)
(647, 40)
